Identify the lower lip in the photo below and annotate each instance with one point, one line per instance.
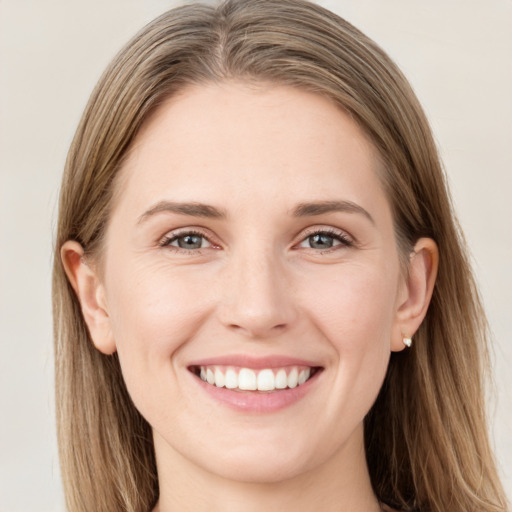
(258, 402)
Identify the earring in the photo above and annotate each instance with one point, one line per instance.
(407, 341)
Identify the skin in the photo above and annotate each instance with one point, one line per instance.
(258, 286)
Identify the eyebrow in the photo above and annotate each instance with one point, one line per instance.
(322, 207)
(192, 209)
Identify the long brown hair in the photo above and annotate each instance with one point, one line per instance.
(426, 435)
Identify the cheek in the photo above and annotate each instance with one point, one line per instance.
(153, 314)
(153, 305)
(355, 307)
(355, 315)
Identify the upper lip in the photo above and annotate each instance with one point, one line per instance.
(257, 363)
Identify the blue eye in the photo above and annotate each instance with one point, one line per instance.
(325, 240)
(321, 241)
(187, 241)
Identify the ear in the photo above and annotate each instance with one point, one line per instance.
(417, 291)
(91, 295)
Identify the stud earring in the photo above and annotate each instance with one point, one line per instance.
(407, 341)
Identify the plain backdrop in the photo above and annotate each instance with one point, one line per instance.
(456, 53)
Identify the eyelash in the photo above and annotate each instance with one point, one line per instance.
(340, 236)
(167, 240)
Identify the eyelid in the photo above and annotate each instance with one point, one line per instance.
(165, 240)
(345, 239)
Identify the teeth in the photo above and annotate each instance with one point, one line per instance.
(281, 380)
(247, 379)
(220, 380)
(304, 376)
(266, 380)
(293, 378)
(231, 379)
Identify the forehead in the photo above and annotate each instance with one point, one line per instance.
(275, 140)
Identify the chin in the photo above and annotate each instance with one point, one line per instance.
(258, 470)
(265, 459)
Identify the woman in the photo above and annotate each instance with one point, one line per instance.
(262, 299)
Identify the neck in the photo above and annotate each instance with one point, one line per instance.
(340, 484)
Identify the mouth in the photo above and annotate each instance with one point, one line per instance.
(261, 380)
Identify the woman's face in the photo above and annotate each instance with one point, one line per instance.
(251, 242)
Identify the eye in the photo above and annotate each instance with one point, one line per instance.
(323, 240)
(188, 241)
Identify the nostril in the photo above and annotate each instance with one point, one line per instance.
(258, 331)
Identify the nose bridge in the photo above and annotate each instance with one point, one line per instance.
(257, 298)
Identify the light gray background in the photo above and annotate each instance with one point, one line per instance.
(458, 56)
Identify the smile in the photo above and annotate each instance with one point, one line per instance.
(248, 379)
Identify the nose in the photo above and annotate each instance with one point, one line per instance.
(257, 296)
